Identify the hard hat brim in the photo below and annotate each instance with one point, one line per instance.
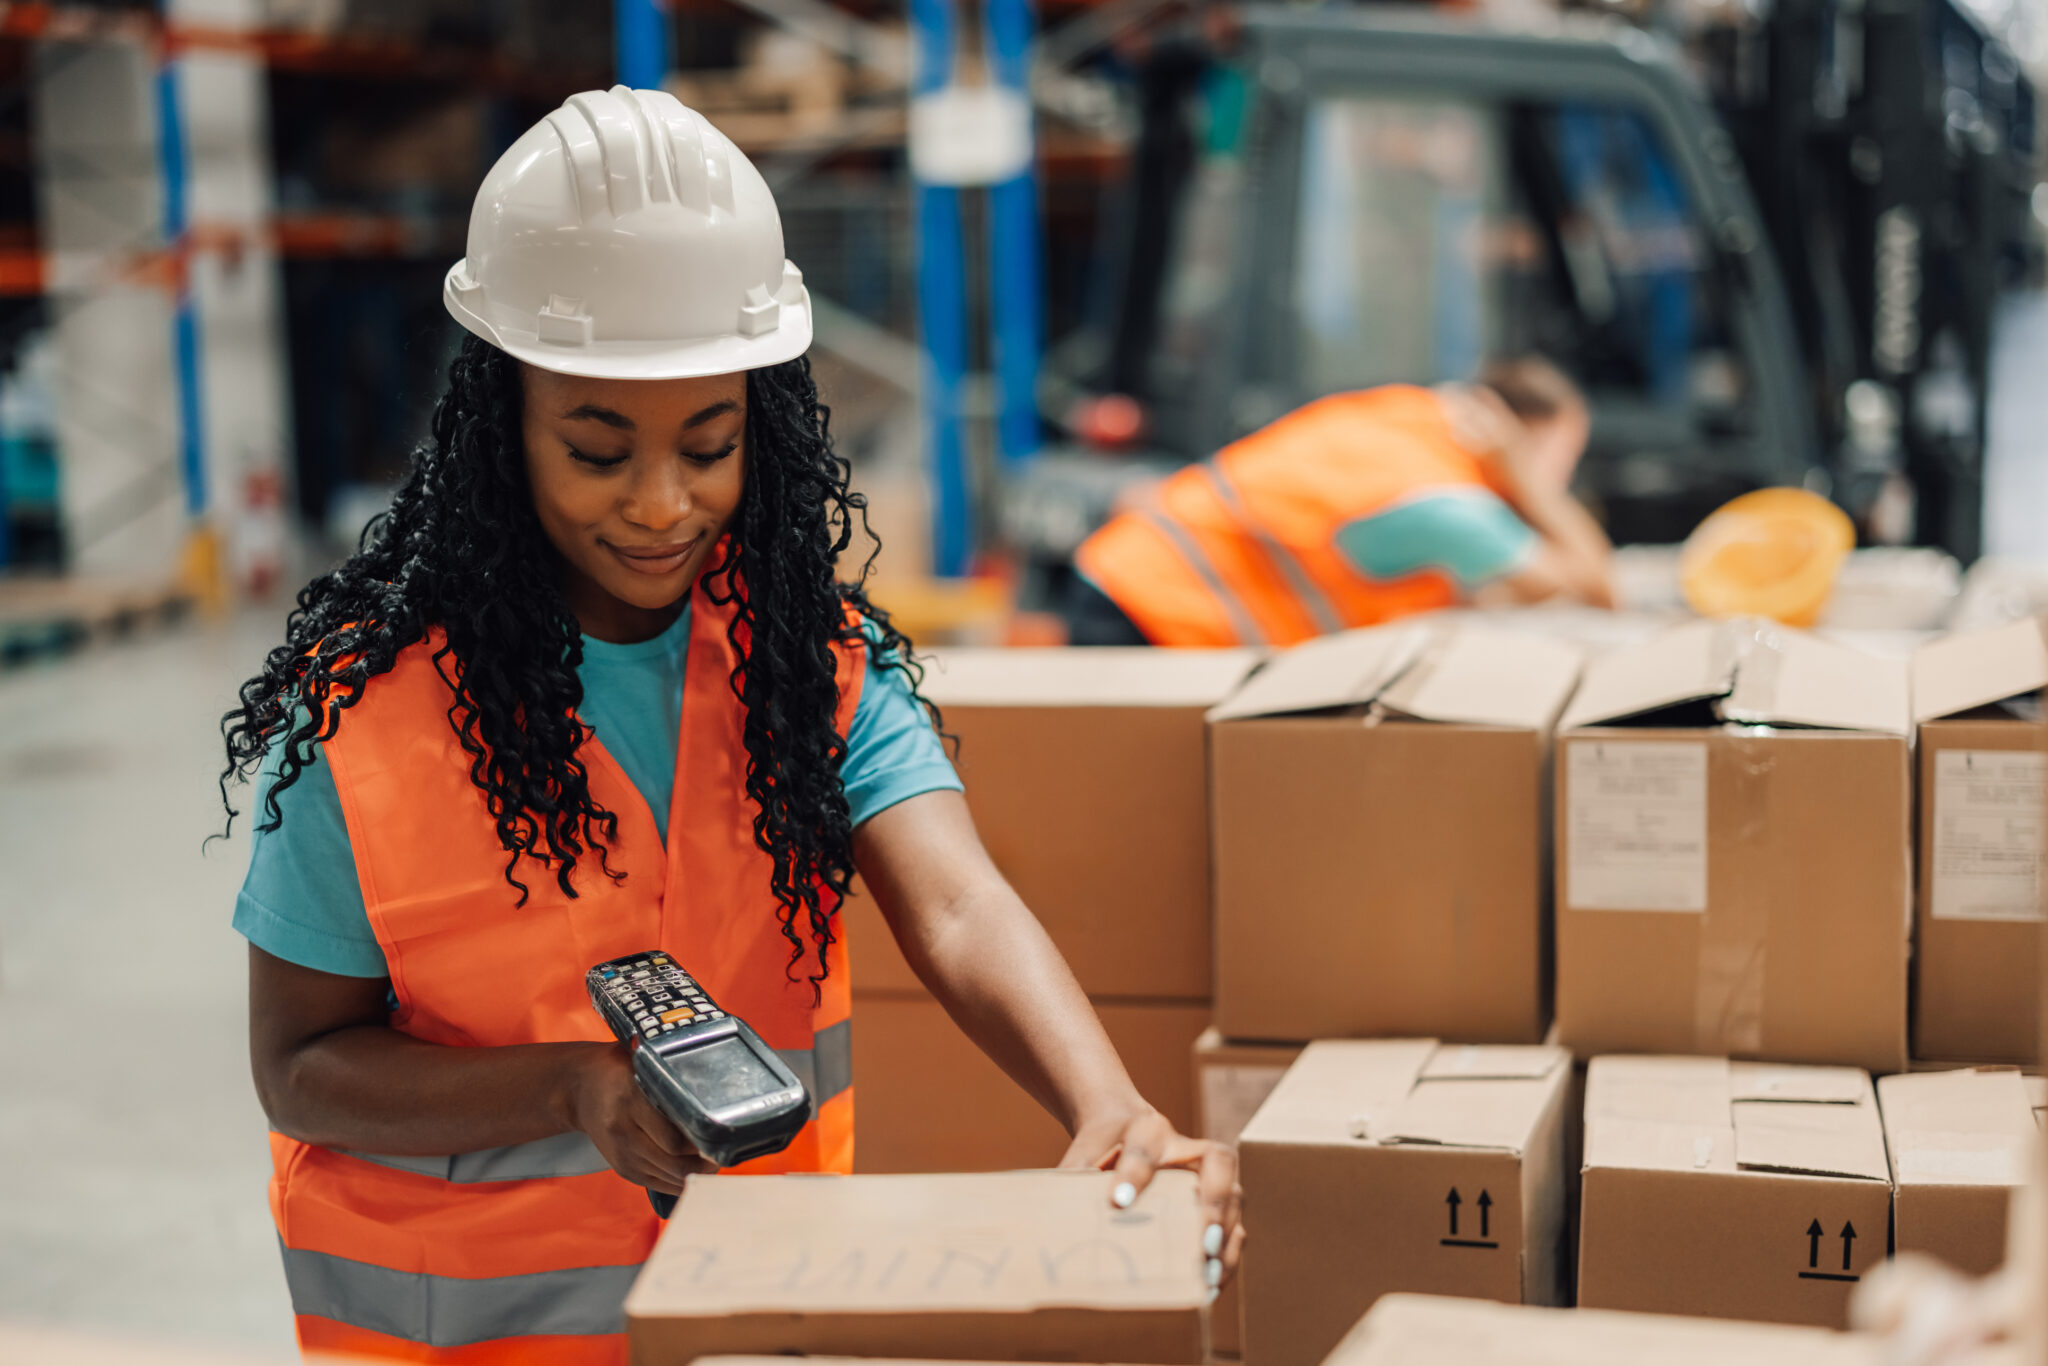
(724, 355)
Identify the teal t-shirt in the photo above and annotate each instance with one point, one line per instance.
(1470, 534)
(301, 900)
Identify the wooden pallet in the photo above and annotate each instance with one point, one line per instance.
(48, 615)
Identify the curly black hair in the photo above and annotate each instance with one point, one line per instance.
(462, 548)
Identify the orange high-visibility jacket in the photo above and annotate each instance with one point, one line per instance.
(524, 1254)
(1241, 549)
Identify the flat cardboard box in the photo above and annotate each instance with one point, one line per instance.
(1086, 775)
(1378, 808)
(927, 1100)
(1232, 1080)
(1004, 1266)
(1233, 1077)
(1976, 973)
(1385, 1165)
(1730, 1190)
(1733, 852)
(1430, 1330)
(1959, 1144)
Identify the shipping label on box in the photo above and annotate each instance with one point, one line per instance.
(1381, 1166)
(1960, 1143)
(1731, 1190)
(1733, 850)
(1377, 805)
(1028, 1266)
(1982, 770)
(1086, 773)
(1406, 1330)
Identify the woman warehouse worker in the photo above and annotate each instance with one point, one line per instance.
(590, 688)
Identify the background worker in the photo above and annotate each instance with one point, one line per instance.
(1353, 510)
(590, 688)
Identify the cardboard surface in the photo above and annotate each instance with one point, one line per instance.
(1977, 974)
(1425, 1330)
(1232, 1080)
(1073, 759)
(1750, 1191)
(1027, 1266)
(1378, 804)
(1735, 889)
(1382, 1166)
(1960, 1144)
(927, 1100)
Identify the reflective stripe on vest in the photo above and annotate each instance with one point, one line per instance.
(1242, 621)
(453, 1311)
(439, 1258)
(1284, 559)
(825, 1069)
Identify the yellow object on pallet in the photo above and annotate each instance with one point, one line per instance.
(945, 611)
(1772, 553)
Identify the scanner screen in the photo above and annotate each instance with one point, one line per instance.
(725, 1073)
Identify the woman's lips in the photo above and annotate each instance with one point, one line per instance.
(655, 561)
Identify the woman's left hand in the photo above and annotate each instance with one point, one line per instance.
(1138, 1143)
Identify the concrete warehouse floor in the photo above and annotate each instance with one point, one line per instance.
(132, 1151)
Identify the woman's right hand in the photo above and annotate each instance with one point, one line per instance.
(606, 1103)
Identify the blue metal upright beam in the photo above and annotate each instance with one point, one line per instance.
(184, 318)
(942, 311)
(640, 42)
(1014, 250)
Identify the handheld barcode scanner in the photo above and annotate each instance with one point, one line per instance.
(729, 1093)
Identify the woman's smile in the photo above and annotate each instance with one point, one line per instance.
(654, 561)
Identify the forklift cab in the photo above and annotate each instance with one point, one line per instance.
(1363, 198)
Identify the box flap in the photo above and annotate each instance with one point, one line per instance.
(1487, 678)
(1692, 1092)
(1649, 1144)
(1960, 1128)
(1081, 677)
(1788, 678)
(1001, 1242)
(1455, 1060)
(1344, 670)
(1763, 1081)
(1691, 663)
(1470, 1112)
(1961, 673)
(1813, 1139)
(1339, 1089)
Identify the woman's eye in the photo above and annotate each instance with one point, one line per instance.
(600, 462)
(712, 457)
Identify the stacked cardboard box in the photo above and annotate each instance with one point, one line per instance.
(1379, 832)
(1381, 1166)
(1030, 1266)
(1424, 1330)
(1232, 1080)
(1959, 1144)
(1730, 1190)
(1086, 774)
(1976, 973)
(1733, 861)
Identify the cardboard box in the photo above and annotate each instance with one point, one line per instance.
(1233, 1077)
(926, 1099)
(1378, 808)
(1733, 860)
(1010, 1266)
(1730, 1190)
(1959, 1144)
(1086, 774)
(1976, 973)
(1232, 1080)
(1378, 1166)
(1427, 1330)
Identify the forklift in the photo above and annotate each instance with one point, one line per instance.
(1766, 240)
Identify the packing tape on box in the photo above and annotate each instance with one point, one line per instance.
(1728, 999)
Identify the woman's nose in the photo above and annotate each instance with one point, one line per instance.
(659, 498)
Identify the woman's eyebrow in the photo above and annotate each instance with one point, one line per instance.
(610, 417)
(718, 409)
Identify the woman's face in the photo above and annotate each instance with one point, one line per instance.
(634, 481)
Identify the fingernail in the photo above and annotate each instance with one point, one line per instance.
(1124, 1194)
(1209, 1295)
(1212, 1272)
(1212, 1240)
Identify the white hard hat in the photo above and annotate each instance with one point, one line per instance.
(623, 237)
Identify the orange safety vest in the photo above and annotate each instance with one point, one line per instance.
(1241, 549)
(524, 1254)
